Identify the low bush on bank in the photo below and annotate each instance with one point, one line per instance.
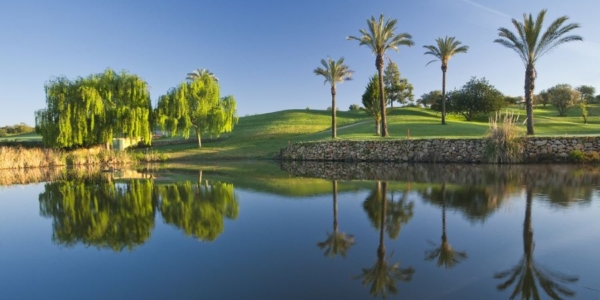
(503, 143)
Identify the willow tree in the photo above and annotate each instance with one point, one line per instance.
(92, 110)
(333, 72)
(196, 104)
(381, 37)
(530, 44)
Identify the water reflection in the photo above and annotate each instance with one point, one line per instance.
(98, 211)
(383, 275)
(198, 211)
(337, 243)
(527, 274)
(446, 255)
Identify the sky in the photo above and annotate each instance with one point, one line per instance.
(264, 51)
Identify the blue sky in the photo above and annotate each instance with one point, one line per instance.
(264, 52)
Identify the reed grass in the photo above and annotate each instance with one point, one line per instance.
(23, 158)
(503, 143)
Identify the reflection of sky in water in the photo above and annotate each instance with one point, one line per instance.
(270, 251)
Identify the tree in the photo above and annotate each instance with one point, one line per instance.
(334, 71)
(444, 50)
(199, 73)
(354, 107)
(525, 274)
(370, 101)
(91, 111)
(379, 38)
(476, 97)
(530, 44)
(397, 89)
(563, 97)
(196, 104)
(337, 243)
(431, 99)
(586, 92)
(543, 97)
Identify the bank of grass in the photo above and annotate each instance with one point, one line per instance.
(261, 136)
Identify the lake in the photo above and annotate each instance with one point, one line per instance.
(259, 230)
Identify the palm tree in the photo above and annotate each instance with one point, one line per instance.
(383, 275)
(531, 44)
(336, 242)
(199, 73)
(334, 71)
(527, 271)
(446, 48)
(445, 254)
(381, 37)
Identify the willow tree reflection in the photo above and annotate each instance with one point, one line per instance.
(527, 274)
(444, 254)
(337, 243)
(382, 276)
(198, 210)
(98, 212)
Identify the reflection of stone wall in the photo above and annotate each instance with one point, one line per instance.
(463, 174)
(553, 149)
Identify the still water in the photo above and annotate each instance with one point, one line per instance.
(304, 231)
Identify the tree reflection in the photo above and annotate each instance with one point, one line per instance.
(445, 255)
(97, 212)
(527, 274)
(337, 243)
(198, 211)
(382, 276)
(476, 203)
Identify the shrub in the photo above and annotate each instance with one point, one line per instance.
(577, 156)
(503, 141)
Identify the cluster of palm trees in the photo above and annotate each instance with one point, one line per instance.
(528, 41)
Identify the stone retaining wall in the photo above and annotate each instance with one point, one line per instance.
(536, 149)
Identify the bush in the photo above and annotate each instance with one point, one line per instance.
(354, 107)
(3, 132)
(577, 156)
(503, 141)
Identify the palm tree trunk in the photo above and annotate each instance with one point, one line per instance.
(335, 221)
(333, 121)
(379, 64)
(382, 191)
(529, 88)
(444, 68)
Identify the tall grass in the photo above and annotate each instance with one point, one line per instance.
(504, 143)
(22, 158)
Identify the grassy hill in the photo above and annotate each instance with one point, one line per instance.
(261, 136)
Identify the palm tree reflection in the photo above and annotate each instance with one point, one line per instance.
(337, 243)
(527, 274)
(446, 256)
(382, 276)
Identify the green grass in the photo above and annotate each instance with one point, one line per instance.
(261, 136)
(25, 137)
